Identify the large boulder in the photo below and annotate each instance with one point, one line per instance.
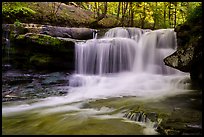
(75, 33)
(43, 52)
(44, 42)
(185, 57)
(188, 57)
(54, 31)
(41, 46)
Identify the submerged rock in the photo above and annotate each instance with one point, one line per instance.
(182, 122)
(149, 118)
(19, 85)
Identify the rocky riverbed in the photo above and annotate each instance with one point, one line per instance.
(21, 85)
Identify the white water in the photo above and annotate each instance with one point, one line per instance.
(8, 46)
(126, 62)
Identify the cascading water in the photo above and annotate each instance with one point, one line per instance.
(130, 49)
(124, 67)
(125, 62)
(8, 44)
(153, 47)
(108, 55)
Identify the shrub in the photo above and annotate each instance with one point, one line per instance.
(195, 15)
(14, 10)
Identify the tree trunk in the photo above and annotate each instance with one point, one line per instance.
(144, 16)
(100, 16)
(104, 12)
(95, 10)
(118, 13)
(57, 8)
(122, 6)
(170, 14)
(155, 17)
(129, 14)
(175, 15)
(124, 9)
(132, 17)
(164, 14)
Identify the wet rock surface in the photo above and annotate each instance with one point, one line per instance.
(64, 32)
(178, 115)
(188, 57)
(40, 52)
(41, 47)
(19, 85)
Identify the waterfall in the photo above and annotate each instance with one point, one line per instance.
(107, 55)
(125, 62)
(6, 35)
(132, 33)
(126, 49)
(95, 34)
(154, 46)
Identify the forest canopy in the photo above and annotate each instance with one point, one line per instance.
(152, 15)
(143, 14)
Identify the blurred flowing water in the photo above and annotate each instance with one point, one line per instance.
(126, 62)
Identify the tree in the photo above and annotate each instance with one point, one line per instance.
(100, 16)
(143, 15)
(155, 15)
(118, 13)
(131, 14)
(54, 8)
(124, 9)
(175, 9)
(146, 14)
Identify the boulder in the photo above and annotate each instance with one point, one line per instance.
(184, 57)
(74, 33)
(54, 31)
(188, 57)
(41, 41)
(44, 52)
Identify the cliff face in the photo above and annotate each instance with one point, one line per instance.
(188, 57)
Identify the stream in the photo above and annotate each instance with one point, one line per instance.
(119, 73)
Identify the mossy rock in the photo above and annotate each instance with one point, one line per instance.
(43, 40)
(40, 60)
(43, 52)
(180, 121)
(109, 22)
(41, 43)
(14, 29)
(48, 62)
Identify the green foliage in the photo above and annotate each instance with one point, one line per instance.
(40, 59)
(195, 14)
(13, 9)
(17, 23)
(160, 14)
(153, 15)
